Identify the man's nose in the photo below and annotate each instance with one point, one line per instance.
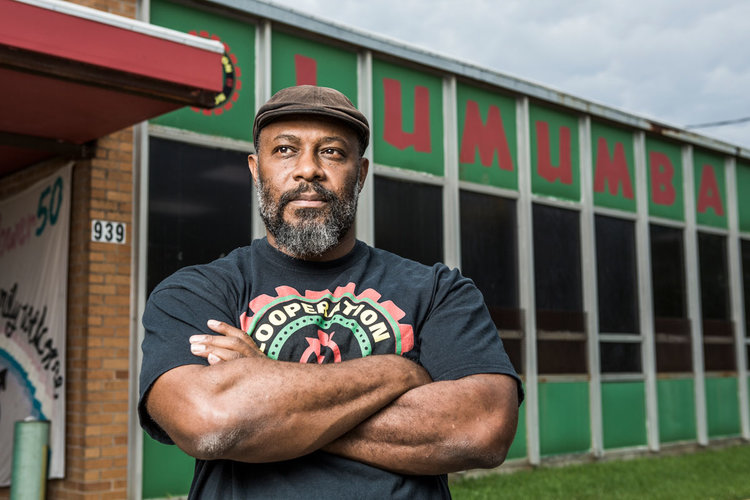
(308, 167)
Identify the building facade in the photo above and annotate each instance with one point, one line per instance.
(613, 251)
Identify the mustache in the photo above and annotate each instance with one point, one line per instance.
(326, 194)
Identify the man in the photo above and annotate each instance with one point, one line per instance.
(309, 365)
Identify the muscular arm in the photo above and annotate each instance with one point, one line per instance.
(432, 428)
(254, 409)
(439, 427)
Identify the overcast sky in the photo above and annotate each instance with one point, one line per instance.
(680, 62)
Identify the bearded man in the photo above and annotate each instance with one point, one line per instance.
(310, 365)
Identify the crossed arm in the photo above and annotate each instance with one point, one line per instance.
(382, 410)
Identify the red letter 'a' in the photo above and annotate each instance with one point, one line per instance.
(564, 172)
(709, 195)
(662, 171)
(394, 133)
(487, 138)
(306, 69)
(614, 172)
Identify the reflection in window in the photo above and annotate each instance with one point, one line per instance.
(199, 206)
(671, 324)
(489, 256)
(617, 293)
(718, 332)
(409, 219)
(561, 346)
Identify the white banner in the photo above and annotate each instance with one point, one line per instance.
(34, 234)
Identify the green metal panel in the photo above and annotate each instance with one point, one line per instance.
(743, 195)
(613, 167)
(408, 118)
(555, 153)
(518, 448)
(233, 115)
(722, 406)
(676, 398)
(665, 186)
(564, 423)
(167, 471)
(624, 414)
(709, 189)
(297, 61)
(487, 151)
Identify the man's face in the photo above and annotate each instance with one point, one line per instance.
(308, 175)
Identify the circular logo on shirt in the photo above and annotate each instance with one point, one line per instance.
(325, 326)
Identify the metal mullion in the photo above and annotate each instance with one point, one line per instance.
(736, 293)
(645, 298)
(588, 278)
(451, 214)
(366, 209)
(526, 280)
(692, 278)
(262, 94)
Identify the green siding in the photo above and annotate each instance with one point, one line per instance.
(233, 117)
(334, 67)
(624, 414)
(548, 177)
(722, 406)
(167, 471)
(709, 189)
(676, 399)
(613, 167)
(564, 422)
(430, 159)
(743, 195)
(518, 448)
(665, 185)
(495, 136)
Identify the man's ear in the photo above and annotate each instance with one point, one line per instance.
(364, 167)
(252, 164)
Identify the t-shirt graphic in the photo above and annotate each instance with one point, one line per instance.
(326, 327)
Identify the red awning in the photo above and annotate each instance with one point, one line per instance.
(70, 74)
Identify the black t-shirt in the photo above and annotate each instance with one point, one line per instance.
(366, 303)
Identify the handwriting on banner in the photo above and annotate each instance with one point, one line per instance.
(17, 233)
(27, 321)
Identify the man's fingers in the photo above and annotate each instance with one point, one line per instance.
(225, 329)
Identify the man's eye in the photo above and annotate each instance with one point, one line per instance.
(283, 149)
(331, 152)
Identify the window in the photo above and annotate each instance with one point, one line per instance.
(489, 256)
(199, 206)
(561, 338)
(671, 325)
(409, 219)
(718, 332)
(617, 289)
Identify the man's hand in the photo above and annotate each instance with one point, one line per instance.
(232, 343)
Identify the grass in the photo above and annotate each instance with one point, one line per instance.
(717, 474)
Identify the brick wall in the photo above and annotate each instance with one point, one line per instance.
(98, 322)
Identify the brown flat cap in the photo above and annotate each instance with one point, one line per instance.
(314, 101)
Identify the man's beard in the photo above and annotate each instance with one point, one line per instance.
(309, 236)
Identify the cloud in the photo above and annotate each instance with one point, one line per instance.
(673, 61)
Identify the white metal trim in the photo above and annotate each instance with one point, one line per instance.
(692, 279)
(526, 281)
(487, 189)
(198, 139)
(736, 294)
(588, 279)
(645, 297)
(262, 94)
(451, 214)
(407, 175)
(366, 206)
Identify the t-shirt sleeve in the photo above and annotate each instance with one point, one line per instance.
(458, 337)
(177, 309)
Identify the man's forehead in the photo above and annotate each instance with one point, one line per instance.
(308, 128)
